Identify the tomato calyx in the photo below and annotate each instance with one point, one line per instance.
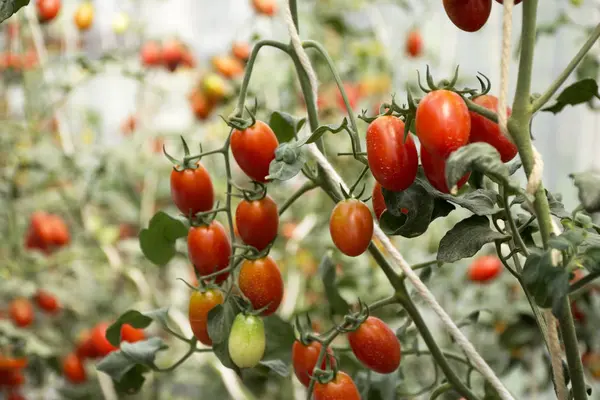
(236, 121)
(445, 84)
(324, 376)
(353, 321)
(188, 161)
(259, 191)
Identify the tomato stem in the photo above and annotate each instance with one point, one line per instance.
(306, 187)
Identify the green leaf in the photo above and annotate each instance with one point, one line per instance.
(577, 93)
(143, 352)
(321, 130)
(116, 364)
(479, 202)
(590, 258)
(336, 302)
(277, 366)
(588, 184)
(480, 157)
(220, 320)
(285, 126)
(589, 67)
(280, 339)
(466, 238)
(131, 317)
(132, 381)
(158, 240)
(9, 7)
(288, 162)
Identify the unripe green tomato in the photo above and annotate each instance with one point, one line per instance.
(247, 341)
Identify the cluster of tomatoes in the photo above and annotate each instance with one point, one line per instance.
(46, 232)
(48, 10)
(12, 376)
(18, 62)
(21, 310)
(171, 54)
(470, 15)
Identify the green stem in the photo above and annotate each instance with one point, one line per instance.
(294, 10)
(306, 187)
(446, 387)
(448, 354)
(487, 113)
(425, 264)
(360, 177)
(394, 278)
(511, 223)
(569, 336)
(187, 355)
(543, 99)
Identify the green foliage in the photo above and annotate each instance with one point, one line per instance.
(280, 338)
(580, 92)
(321, 130)
(220, 320)
(288, 162)
(588, 184)
(336, 302)
(158, 240)
(9, 7)
(131, 317)
(285, 126)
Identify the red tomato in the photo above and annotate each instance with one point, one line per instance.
(202, 106)
(192, 190)
(341, 388)
(265, 7)
(172, 53)
(131, 335)
(128, 126)
(261, 282)
(468, 15)
(47, 301)
(21, 312)
(443, 122)
(209, 249)
(414, 43)
(484, 130)
(73, 369)
(9, 363)
(351, 227)
(379, 202)
(200, 305)
(376, 346)
(254, 149)
(257, 222)
(485, 268)
(393, 161)
(228, 66)
(12, 378)
(47, 9)
(304, 360)
(85, 346)
(151, 54)
(102, 346)
(241, 51)
(435, 171)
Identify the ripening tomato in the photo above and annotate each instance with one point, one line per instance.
(376, 346)
(468, 15)
(84, 16)
(254, 149)
(12, 378)
(393, 161)
(47, 301)
(200, 305)
(435, 171)
(201, 105)
(188, 60)
(215, 87)
(257, 222)
(131, 335)
(484, 269)
(85, 346)
(247, 340)
(128, 126)
(209, 249)
(265, 7)
(351, 227)
(47, 9)
(342, 387)
(304, 360)
(101, 344)
(192, 190)
(46, 232)
(73, 369)
(9, 363)
(484, 130)
(172, 54)
(443, 122)
(414, 43)
(228, 66)
(241, 51)
(151, 54)
(21, 312)
(261, 282)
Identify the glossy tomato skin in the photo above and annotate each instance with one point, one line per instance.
(376, 346)
(484, 269)
(151, 54)
(209, 249)
(341, 388)
(73, 369)
(378, 201)
(131, 335)
(484, 130)
(435, 171)
(443, 122)
(84, 16)
(257, 222)
(21, 312)
(468, 15)
(192, 190)
(304, 360)
(47, 301)
(47, 9)
(393, 161)
(247, 340)
(102, 347)
(414, 43)
(351, 227)
(261, 282)
(254, 149)
(200, 305)
(265, 7)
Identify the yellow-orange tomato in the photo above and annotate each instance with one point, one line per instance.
(200, 305)
(351, 227)
(228, 66)
(240, 50)
(265, 7)
(84, 16)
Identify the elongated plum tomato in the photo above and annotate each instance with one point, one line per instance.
(73, 369)
(228, 66)
(414, 43)
(254, 149)
(484, 269)
(200, 305)
(261, 282)
(84, 16)
(257, 222)
(443, 122)
(192, 190)
(376, 346)
(21, 312)
(102, 346)
(468, 15)
(46, 301)
(304, 360)
(484, 130)
(131, 335)
(209, 249)
(172, 53)
(241, 50)
(351, 227)
(151, 54)
(265, 7)
(47, 9)
(201, 105)
(342, 387)
(435, 171)
(393, 161)
(247, 340)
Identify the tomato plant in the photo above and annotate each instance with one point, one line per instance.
(351, 227)
(260, 281)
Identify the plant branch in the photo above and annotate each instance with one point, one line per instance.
(306, 187)
(484, 112)
(584, 281)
